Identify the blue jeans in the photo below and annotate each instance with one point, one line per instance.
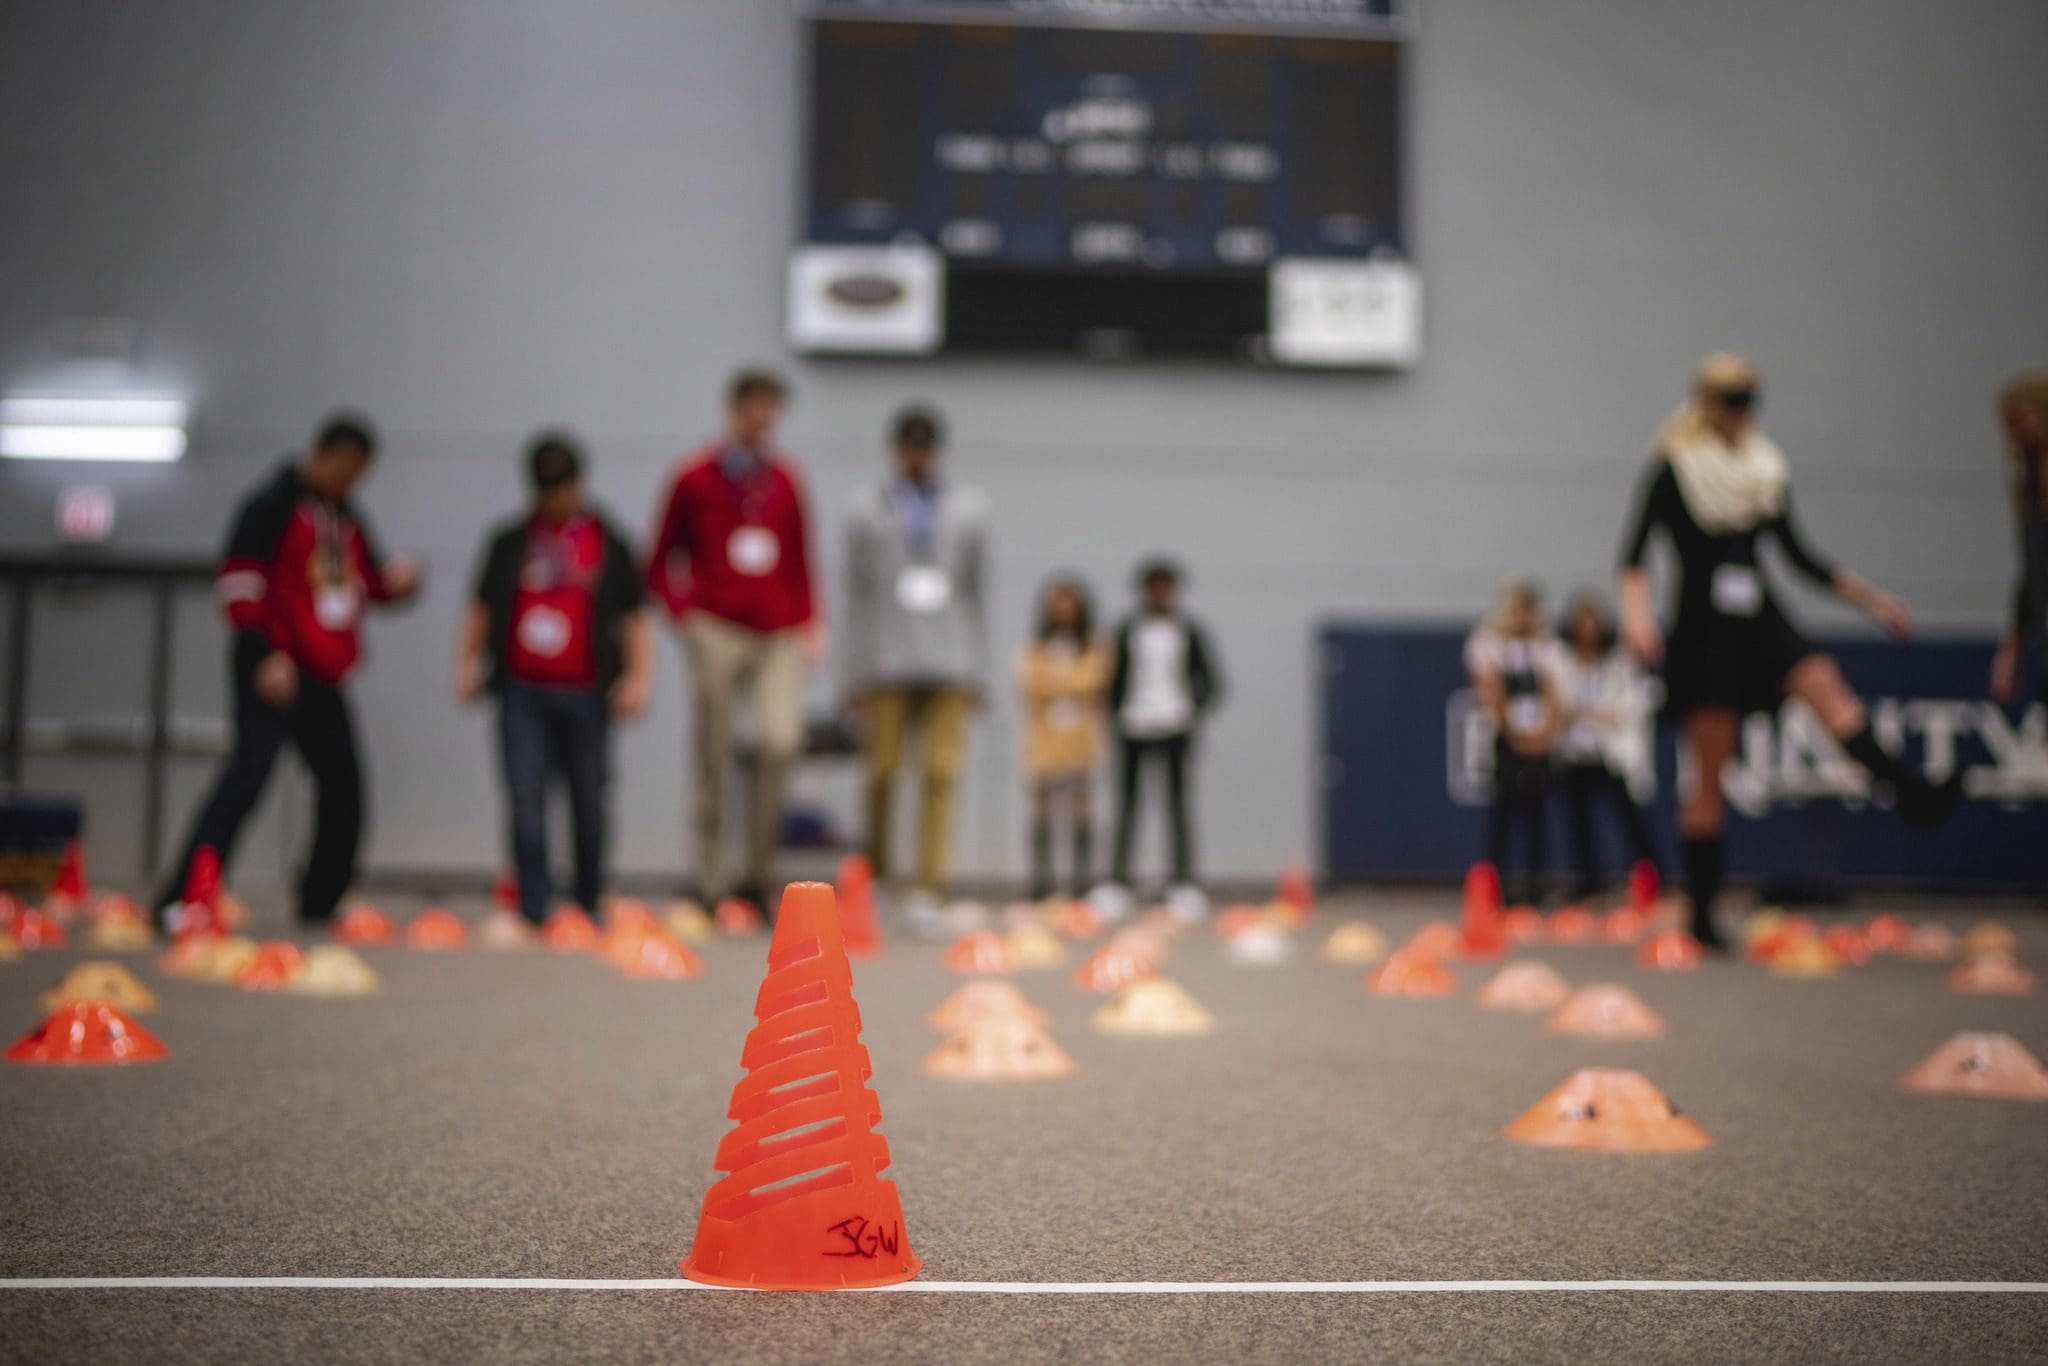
(541, 732)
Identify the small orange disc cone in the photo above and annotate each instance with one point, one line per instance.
(1606, 1011)
(1435, 939)
(981, 954)
(1624, 925)
(503, 931)
(1887, 933)
(1990, 937)
(1808, 958)
(862, 927)
(1929, 943)
(275, 964)
(620, 944)
(1110, 968)
(1991, 974)
(87, 1034)
(1573, 925)
(1995, 1066)
(1411, 972)
(1001, 1048)
(118, 925)
(1232, 921)
(363, 926)
(804, 1205)
(1670, 951)
(980, 1000)
(1078, 919)
(1608, 1109)
(569, 930)
(1525, 986)
(35, 929)
(1847, 943)
(629, 912)
(736, 916)
(436, 930)
(1523, 925)
(107, 982)
(661, 957)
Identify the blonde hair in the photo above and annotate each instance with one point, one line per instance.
(2029, 393)
(1512, 594)
(1718, 373)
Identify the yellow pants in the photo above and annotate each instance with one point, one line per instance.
(727, 660)
(939, 715)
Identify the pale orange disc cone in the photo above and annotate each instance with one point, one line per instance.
(1155, 1008)
(1988, 937)
(1078, 919)
(1887, 933)
(621, 943)
(109, 982)
(1112, 969)
(1573, 925)
(1624, 925)
(1436, 939)
(1034, 946)
(1232, 921)
(629, 910)
(121, 929)
(981, 954)
(9, 950)
(335, 970)
(1929, 943)
(1670, 951)
(1523, 925)
(503, 929)
(207, 958)
(272, 967)
(689, 922)
(1995, 1066)
(569, 930)
(1410, 972)
(1356, 943)
(982, 1000)
(1608, 1109)
(1991, 975)
(364, 926)
(662, 958)
(1808, 959)
(1152, 944)
(436, 930)
(1525, 986)
(736, 916)
(1605, 1011)
(1002, 1049)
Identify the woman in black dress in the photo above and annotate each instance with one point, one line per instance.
(2023, 408)
(1717, 486)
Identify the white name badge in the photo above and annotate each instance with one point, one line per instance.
(335, 608)
(924, 588)
(753, 551)
(1525, 714)
(1737, 591)
(544, 631)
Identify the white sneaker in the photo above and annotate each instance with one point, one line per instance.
(1188, 903)
(1112, 902)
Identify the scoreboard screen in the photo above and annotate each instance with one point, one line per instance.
(1115, 177)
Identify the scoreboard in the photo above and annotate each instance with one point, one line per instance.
(1107, 177)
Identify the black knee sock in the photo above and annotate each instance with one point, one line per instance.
(1921, 804)
(1084, 856)
(1703, 859)
(1041, 860)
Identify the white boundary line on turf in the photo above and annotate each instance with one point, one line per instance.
(1049, 1287)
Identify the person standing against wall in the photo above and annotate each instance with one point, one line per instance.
(1164, 683)
(555, 628)
(1599, 687)
(730, 561)
(2023, 409)
(1062, 679)
(916, 646)
(299, 571)
(1512, 661)
(1717, 486)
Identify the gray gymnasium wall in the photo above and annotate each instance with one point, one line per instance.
(475, 216)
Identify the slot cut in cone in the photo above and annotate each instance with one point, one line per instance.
(1608, 1109)
(334, 970)
(1994, 1066)
(87, 1034)
(1605, 1011)
(1157, 1009)
(803, 1205)
(108, 982)
(1006, 1048)
(984, 999)
(1525, 986)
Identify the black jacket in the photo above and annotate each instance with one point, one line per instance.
(1204, 677)
(618, 592)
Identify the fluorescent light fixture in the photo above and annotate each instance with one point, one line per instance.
(138, 429)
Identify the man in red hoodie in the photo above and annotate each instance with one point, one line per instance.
(731, 563)
(299, 571)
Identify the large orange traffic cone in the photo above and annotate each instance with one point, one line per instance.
(1480, 931)
(87, 1034)
(198, 912)
(1611, 1110)
(1995, 1066)
(436, 930)
(69, 889)
(840, 1225)
(862, 927)
(1642, 886)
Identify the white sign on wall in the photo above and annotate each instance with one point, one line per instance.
(1327, 311)
(875, 300)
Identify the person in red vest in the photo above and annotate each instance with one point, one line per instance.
(731, 564)
(301, 568)
(554, 628)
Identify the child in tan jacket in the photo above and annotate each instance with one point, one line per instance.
(1063, 679)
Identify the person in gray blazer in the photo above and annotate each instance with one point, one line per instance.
(916, 644)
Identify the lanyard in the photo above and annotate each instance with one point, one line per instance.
(919, 508)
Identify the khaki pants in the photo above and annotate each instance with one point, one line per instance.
(726, 660)
(939, 715)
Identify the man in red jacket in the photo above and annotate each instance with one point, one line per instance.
(731, 563)
(299, 571)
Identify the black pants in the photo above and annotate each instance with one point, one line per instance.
(1521, 795)
(319, 726)
(1585, 785)
(542, 732)
(1169, 753)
